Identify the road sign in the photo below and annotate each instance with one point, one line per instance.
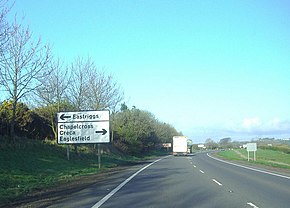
(251, 147)
(166, 145)
(83, 127)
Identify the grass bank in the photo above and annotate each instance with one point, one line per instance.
(263, 156)
(36, 165)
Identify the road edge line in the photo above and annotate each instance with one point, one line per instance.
(115, 190)
(253, 169)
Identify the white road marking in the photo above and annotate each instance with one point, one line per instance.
(109, 195)
(252, 205)
(218, 183)
(201, 171)
(257, 170)
(194, 166)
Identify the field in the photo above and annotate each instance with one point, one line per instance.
(263, 156)
(36, 166)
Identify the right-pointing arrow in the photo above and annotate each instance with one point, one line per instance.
(104, 131)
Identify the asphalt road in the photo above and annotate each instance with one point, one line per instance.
(193, 181)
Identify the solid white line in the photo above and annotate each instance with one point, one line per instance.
(218, 183)
(109, 195)
(252, 205)
(257, 170)
(201, 171)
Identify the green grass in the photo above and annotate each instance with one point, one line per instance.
(265, 157)
(37, 165)
(230, 155)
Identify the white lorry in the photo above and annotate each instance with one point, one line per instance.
(179, 145)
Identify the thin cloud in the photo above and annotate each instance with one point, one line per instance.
(255, 126)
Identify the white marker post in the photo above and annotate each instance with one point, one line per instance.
(252, 147)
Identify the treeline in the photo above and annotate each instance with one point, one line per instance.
(35, 86)
(138, 131)
(28, 123)
(263, 143)
(133, 131)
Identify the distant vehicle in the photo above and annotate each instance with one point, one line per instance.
(180, 145)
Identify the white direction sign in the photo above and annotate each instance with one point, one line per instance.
(251, 147)
(83, 127)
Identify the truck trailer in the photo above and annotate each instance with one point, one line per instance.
(179, 145)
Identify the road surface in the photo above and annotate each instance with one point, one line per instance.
(193, 181)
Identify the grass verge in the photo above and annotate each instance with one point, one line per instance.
(35, 166)
(264, 157)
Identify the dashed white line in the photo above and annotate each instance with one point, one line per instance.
(252, 205)
(194, 166)
(218, 183)
(201, 171)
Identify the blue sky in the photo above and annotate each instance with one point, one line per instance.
(212, 69)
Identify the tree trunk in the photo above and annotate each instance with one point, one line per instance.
(12, 125)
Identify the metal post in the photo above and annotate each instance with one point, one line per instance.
(67, 152)
(99, 156)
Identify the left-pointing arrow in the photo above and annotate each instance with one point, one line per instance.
(104, 131)
(63, 117)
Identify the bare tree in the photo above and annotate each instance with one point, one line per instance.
(4, 27)
(23, 65)
(91, 88)
(104, 91)
(53, 91)
(78, 91)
